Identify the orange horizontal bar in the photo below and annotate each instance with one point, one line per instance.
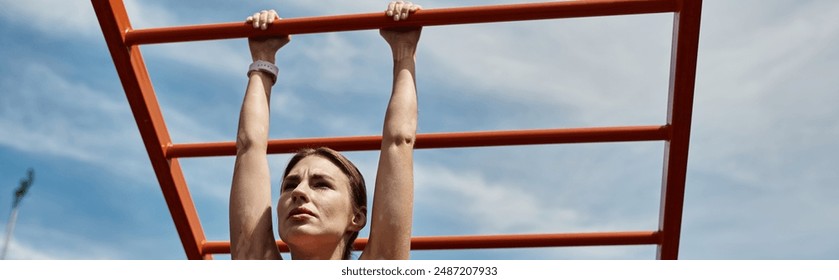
(495, 241)
(440, 140)
(427, 17)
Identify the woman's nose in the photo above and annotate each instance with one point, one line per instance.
(300, 193)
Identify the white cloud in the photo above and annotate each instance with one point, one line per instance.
(35, 243)
(149, 15)
(56, 17)
(51, 115)
(209, 178)
(35, 115)
(767, 87)
(333, 63)
(609, 70)
(17, 251)
(494, 207)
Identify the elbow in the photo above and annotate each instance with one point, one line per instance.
(401, 138)
(401, 133)
(248, 142)
(405, 140)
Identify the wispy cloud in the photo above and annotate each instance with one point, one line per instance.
(34, 243)
(568, 64)
(63, 19)
(489, 207)
(35, 119)
(761, 88)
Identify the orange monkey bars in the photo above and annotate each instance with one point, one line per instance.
(123, 42)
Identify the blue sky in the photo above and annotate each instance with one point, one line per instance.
(761, 184)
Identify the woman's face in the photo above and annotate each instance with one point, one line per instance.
(315, 203)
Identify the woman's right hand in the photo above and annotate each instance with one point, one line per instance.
(402, 41)
(265, 48)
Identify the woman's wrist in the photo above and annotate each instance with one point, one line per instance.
(268, 58)
(409, 59)
(402, 52)
(265, 68)
(408, 63)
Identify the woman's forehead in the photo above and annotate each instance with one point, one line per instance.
(317, 166)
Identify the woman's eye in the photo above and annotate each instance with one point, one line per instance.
(323, 185)
(288, 186)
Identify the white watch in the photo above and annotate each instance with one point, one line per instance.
(265, 67)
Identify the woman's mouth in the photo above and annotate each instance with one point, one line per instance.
(300, 213)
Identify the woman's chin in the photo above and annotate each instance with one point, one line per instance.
(305, 235)
(299, 233)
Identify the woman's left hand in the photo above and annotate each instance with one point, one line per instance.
(265, 48)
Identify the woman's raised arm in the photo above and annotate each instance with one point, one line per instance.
(251, 229)
(392, 213)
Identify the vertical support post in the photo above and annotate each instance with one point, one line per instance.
(679, 111)
(138, 89)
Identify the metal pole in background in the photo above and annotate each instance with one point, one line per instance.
(19, 193)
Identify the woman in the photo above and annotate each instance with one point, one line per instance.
(322, 203)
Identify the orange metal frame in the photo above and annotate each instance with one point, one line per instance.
(124, 41)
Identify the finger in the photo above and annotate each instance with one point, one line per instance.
(271, 17)
(255, 20)
(394, 11)
(249, 19)
(390, 7)
(406, 8)
(397, 10)
(263, 18)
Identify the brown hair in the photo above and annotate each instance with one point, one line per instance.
(358, 189)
